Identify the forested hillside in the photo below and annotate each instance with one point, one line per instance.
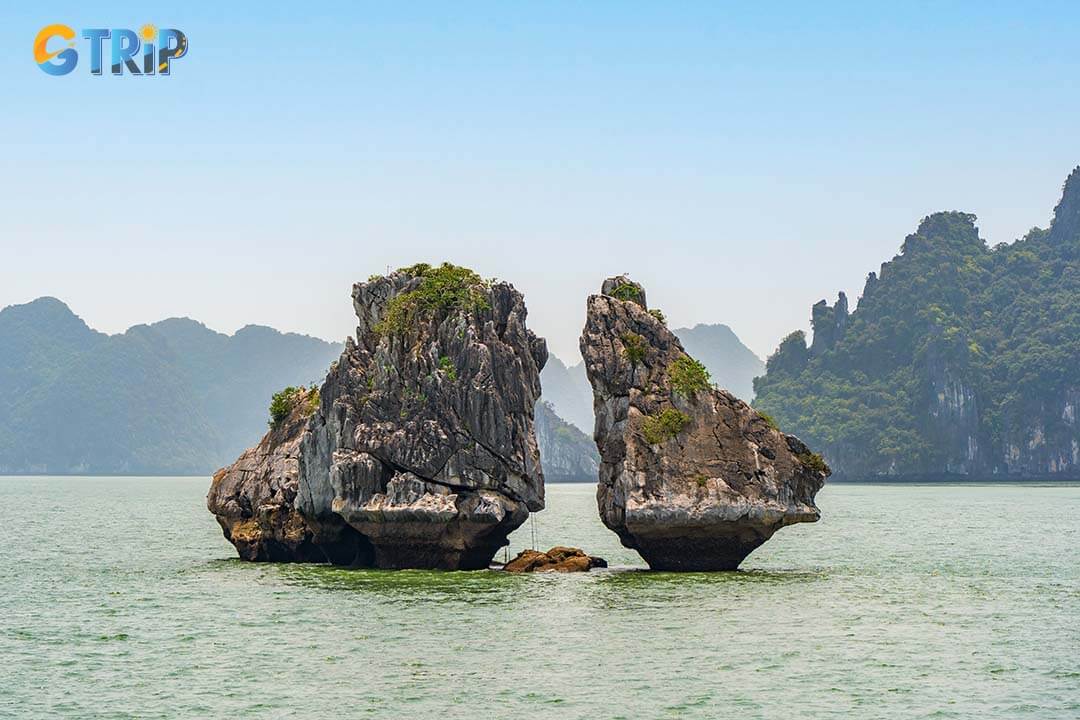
(960, 359)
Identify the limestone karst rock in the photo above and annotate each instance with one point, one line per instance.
(423, 441)
(829, 323)
(690, 476)
(954, 363)
(253, 500)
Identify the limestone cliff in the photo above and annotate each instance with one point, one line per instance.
(690, 476)
(253, 500)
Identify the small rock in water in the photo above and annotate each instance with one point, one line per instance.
(557, 559)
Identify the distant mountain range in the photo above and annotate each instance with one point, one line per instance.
(177, 398)
(170, 398)
(732, 365)
(568, 392)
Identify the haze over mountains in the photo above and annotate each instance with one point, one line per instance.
(173, 397)
(176, 397)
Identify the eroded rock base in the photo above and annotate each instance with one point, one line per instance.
(281, 535)
(416, 523)
(702, 550)
(417, 544)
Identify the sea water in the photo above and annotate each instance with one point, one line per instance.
(119, 598)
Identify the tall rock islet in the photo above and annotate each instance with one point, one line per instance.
(422, 442)
(690, 476)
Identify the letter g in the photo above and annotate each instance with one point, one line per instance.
(68, 57)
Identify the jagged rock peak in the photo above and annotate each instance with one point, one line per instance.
(829, 323)
(690, 476)
(424, 441)
(1066, 224)
(871, 283)
(623, 288)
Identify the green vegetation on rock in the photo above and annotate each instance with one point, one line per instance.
(731, 364)
(768, 420)
(284, 402)
(813, 460)
(688, 376)
(634, 346)
(446, 365)
(626, 292)
(443, 289)
(664, 425)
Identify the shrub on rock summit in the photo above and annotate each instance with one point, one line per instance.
(442, 289)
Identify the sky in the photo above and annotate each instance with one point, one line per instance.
(741, 162)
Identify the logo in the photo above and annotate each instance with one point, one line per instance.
(149, 51)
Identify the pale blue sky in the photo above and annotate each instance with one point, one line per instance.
(741, 162)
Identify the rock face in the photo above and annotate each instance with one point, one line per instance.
(423, 440)
(557, 559)
(253, 500)
(690, 476)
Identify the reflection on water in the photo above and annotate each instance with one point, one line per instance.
(495, 585)
(407, 585)
(638, 588)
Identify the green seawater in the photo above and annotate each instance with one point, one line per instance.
(119, 598)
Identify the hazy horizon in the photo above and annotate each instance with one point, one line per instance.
(230, 333)
(742, 163)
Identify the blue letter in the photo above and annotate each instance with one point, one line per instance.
(95, 36)
(148, 58)
(167, 51)
(124, 52)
